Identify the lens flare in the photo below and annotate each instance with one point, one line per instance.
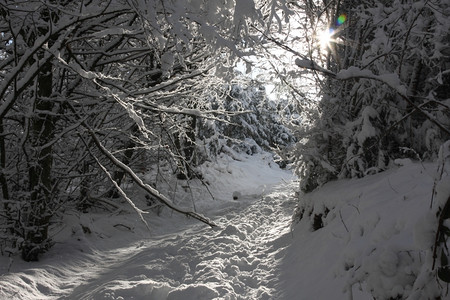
(325, 37)
(341, 19)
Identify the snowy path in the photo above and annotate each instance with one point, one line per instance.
(182, 258)
(237, 261)
(376, 241)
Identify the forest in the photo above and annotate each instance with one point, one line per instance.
(100, 95)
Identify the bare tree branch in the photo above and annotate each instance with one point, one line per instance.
(153, 192)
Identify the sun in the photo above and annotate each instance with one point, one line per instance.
(325, 38)
(328, 35)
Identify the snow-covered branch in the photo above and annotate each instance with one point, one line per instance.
(312, 65)
(393, 81)
(153, 192)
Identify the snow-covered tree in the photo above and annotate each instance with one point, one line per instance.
(88, 88)
(253, 122)
(382, 68)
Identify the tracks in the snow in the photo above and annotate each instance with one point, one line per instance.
(239, 260)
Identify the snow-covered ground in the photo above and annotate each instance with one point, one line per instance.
(375, 239)
(114, 257)
(375, 242)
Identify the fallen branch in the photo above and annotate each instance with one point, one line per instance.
(121, 192)
(153, 192)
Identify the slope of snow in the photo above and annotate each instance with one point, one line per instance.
(102, 256)
(375, 241)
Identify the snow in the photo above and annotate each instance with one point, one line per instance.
(375, 241)
(181, 259)
(244, 8)
(376, 237)
(309, 64)
(367, 130)
(112, 31)
(167, 62)
(392, 80)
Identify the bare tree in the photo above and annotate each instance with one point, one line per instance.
(89, 86)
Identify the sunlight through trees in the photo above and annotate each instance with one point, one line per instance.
(95, 94)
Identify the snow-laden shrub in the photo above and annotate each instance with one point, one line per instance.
(390, 91)
(252, 123)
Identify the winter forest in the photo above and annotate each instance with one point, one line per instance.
(224, 149)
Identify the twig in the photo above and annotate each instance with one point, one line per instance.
(444, 213)
(116, 185)
(372, 76)
(441, 171)
(389, 182)
(125, 226)
(355, 207)
(153, 192)
(401, 94)
(342, 220)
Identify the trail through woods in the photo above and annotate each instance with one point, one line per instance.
(183, 259)
(236, 261)
(376, 241)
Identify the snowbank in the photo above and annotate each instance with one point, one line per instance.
(365, 238)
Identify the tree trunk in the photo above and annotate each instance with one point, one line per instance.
(186, 148)
(3, 182)
(40, 179)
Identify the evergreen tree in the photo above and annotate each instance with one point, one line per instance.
(386, 70)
